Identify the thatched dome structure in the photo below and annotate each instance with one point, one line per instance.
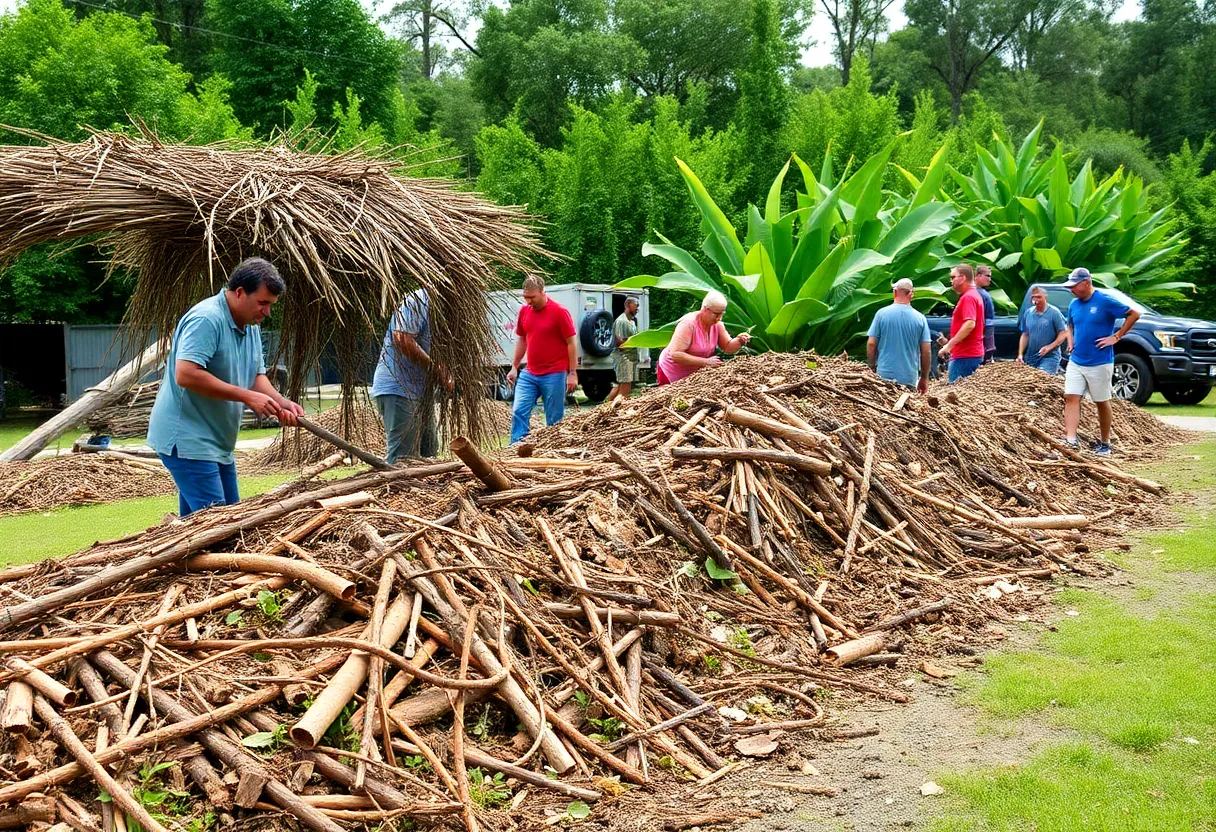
(350, 233)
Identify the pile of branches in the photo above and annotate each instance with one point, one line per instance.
(650, 591)
(351, 234)
(79, 480)
(357, 421)
(129, 417)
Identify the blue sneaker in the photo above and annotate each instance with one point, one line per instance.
(1071, 444)
(1102, 448)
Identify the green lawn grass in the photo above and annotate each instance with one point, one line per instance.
(38, 535)
(1158, 406)
(1133, 681)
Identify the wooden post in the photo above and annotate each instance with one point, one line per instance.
(338, 442)
(93, 400)
(482, 468)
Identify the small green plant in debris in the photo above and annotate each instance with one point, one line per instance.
(719, 573)
(741, 640)
(161, 801)
(480, 729)
(234, 618)
(267, 742)
(583, 700)
(488, 791)
(577, 810)
(206, 822)
(607, 728)
(416, 763)
(270, 605)
(341, 733)
(713, 664)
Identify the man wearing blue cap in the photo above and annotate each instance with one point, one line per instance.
(1091, 320)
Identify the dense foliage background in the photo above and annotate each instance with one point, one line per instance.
(577, 109)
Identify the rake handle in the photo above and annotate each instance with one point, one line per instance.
(340, 443)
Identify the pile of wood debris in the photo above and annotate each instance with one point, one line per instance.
(77, 480)
(295, 448)
(649, 592)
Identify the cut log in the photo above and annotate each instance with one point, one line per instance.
(849, 651)
(297, 570)
(484, 469)
(18, 708)
(106, 392)
(338, 442)
(1053, 521)
(652, 618)
(52, 689)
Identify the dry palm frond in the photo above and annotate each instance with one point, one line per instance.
(350, 235)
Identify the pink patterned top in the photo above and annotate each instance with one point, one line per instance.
(702, 344)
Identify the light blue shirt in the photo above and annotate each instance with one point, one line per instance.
(900, 331)
(200, 427)
(395, 374)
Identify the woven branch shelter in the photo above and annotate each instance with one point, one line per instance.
(352, 234)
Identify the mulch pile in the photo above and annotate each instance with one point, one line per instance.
(78, 480)
(657, 592)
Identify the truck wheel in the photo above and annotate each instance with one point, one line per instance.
(1185, 396)
(1132, 380)
(596, 385)
(595, 334)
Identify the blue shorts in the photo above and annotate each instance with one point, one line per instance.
(200, 483)
(963, 367)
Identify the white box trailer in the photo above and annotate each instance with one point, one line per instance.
(594, 307)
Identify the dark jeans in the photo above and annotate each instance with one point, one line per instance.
(201, 483)
(408, 432)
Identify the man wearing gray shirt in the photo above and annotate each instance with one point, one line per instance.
(898, 345)
(1043, 331)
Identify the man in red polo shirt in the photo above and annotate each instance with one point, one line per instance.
(546, 335)
(966, 344)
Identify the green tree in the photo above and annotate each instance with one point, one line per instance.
(58, 74)
(424, 23)
(764, 98)
(856, 25)
(960, 37)
(266, 45)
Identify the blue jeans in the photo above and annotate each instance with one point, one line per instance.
(201, 483)
(550, 388)
(963, 367)
(1049, 363)
(408, 432)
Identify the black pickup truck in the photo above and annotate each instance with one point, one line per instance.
(1162, 353)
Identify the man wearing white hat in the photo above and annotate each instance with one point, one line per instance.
(898, 345)
(1091, 320)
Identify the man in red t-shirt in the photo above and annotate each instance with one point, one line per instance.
(966, 344)
(546, 335)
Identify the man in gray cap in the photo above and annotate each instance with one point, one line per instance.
(898, 345)
(1091, 322)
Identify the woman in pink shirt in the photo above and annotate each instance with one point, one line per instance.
(697, 336)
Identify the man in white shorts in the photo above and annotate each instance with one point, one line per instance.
(1091, 322)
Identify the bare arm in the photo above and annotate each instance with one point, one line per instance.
(1128, 323)
(288, 410)
(408, 346)
(1061, 337)
(262, 399)
(572, 366)
(1022, 342)
(521, 347)
(963, 331)
(729, 345)
(926, 359)
(872, 352)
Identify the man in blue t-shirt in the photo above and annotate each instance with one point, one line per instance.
(399, 386)
(1091, 322)
(898, 345)
(1043, 331)
(215, 370)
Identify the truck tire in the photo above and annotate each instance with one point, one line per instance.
(597, 384)
(595, 334)
(1185, 396)
(1133, 378)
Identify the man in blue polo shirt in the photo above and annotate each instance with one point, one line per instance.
(215, 370)
(399, 383)
(1091, 322)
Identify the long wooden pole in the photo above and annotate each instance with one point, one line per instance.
(95, 398)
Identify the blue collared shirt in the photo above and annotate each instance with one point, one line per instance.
(395, 374)
(198, 426)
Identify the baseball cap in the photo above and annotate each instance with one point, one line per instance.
(1076, 276)
(903, 284)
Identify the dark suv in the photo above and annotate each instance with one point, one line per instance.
(1162, 353)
